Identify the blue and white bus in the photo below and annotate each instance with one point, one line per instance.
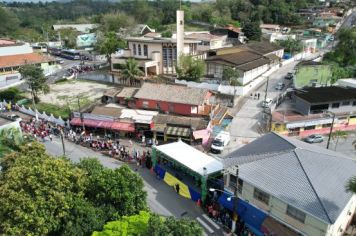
(70, 54)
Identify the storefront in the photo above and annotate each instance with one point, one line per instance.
(186, 169)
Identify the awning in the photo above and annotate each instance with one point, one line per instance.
(87, 122)
(105, 124)
(201, 134)
(178, 131)
(224, 202)
(123, 126)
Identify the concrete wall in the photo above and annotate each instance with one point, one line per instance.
(176, 108)
(15, 50)
(9, 78)
(344, 219)
(304, 107)
(277, 209)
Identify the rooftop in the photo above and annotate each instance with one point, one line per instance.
(6, 42)
(127, 92)
(107, 111)
(202, 36)
(270, 26)
(244, 59)
(22, 59)
(85, 28)
(196, 123)
(326, 94)
(158, 40)
(190, 157)
(172, 93)
(296, 173)
(263, 47)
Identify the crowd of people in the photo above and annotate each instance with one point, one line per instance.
(80, 69)
(38, 129)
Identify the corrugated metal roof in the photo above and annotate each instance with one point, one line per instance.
(305, 176)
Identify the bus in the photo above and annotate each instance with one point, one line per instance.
(70, 54)
(55, 51)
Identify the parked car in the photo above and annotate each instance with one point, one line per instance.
(314, 138)
(289, 76)
(280, 86)
(220, 141)
(14, 117)
(266, 103)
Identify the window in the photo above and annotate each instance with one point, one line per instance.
(233, 182)
(261, 196)
(145, 104)
(354, 103)
(240, 186)
(335, 105)
(139, 49)
(295, 213)
(145, 52)
(309, 127)
(326, 125)
(134, 49)
(345, 103)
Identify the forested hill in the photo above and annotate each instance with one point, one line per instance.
(31, 19)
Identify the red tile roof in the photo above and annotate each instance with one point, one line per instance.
(6, 42)
(22, 59)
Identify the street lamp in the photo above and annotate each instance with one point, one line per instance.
(331, 128)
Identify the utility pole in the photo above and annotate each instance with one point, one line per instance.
(331, 130)
(62, 139)
(266, 88)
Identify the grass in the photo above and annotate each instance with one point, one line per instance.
(306, 74)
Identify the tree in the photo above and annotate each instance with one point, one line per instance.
(9, 22)
(117, 192)
(131, 71)
(114, 22)
(37, 191)
(69, 36)
(146, 223)
(252, 31)
(231, 76)
(109, 44)
(351, 185)
(190, 68)
(291, 45)
(337, 135)
(35, 79)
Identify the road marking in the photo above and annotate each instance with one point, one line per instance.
(211, 221)
(205, 225)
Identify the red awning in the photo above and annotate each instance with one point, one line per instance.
(87, 122)
(123, 126)
(105, 124)
(75, 121)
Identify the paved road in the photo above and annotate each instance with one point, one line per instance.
(161, 198)
(343, 146)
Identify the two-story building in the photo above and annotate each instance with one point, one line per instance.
(289, 187)
(312, 110)
(173, 99)
(154, 55)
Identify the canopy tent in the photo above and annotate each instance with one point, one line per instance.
(114, 125)
(191, 158)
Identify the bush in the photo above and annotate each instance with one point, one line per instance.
(10, 94)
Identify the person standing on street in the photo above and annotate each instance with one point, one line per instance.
(177, 188)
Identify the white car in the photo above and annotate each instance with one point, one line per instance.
(266, 103)
(220, 141)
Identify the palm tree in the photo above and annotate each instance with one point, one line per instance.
(131, 71)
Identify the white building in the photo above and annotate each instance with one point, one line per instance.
(296, 188)
(13, 55)
(207, 40)
(82, 28)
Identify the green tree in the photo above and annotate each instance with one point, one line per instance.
(190, 68)
(252, 31)
(351, 185)
(69, 37)
(146, 223)
(339, 72)
(339, 134)
(167, 34)
(231, 75)
(291, 45)
(37, 191)
(117, 192)
(9, 22)
(131, 71)
(109, 44)
(114, 22)
(35, 79)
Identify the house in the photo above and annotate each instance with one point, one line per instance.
(313, 109)
(325, 21)
(207, 41)
(81, 28)
(173, 99)
(289, 187)
(274, 36)
(270, 28)
(266, 49)
(13, 55)
(141, 29)
(234, 35)
(248, 63)
(154, 55)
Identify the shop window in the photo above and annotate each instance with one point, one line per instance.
(326, 125)
(345, 103)
(335, 105)
(240, 185)
(309, 127)
(354, 103)
(296, 214)
(233, 182)
(261, 196)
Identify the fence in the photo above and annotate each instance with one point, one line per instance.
(44, 116)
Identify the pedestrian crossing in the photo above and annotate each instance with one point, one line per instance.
(209, 226)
